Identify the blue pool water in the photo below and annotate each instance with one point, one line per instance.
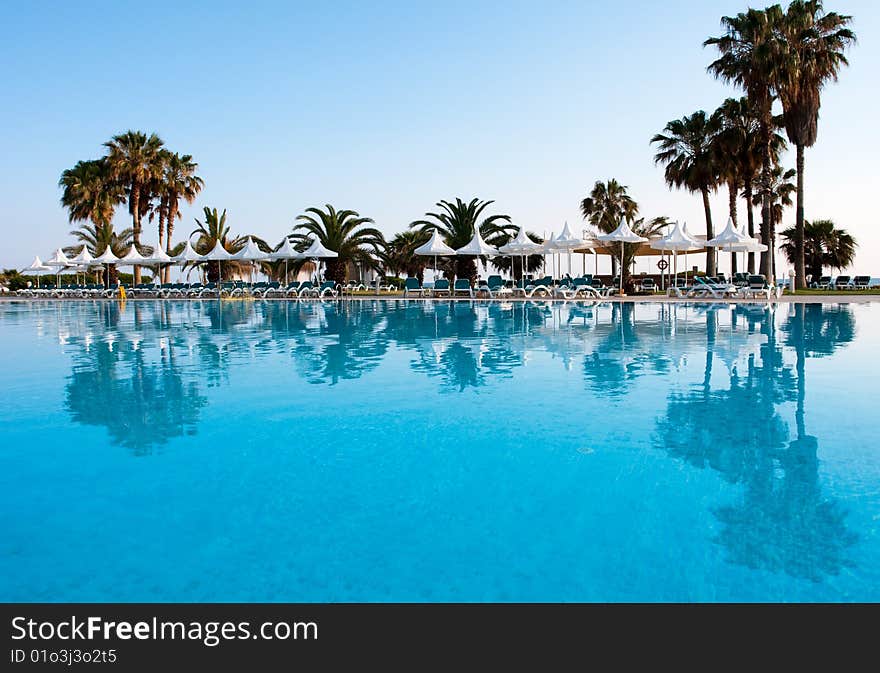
(410, 451)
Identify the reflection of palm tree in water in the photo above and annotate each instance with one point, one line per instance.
(141, 404)
(782, 521)
(621, 356)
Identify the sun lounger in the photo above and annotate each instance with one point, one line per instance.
(757, 287)
(463, 285)
(711, 287)
(413, 286)
(824, 283)
(842, 283)
(441, 286)
(494, 286)
(861, 282)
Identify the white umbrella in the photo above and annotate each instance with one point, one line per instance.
(251, 252)
(218, 254)
(187, 256)
(678, 240)
(317, 251)
(476, 247)
(84, 258)
(522, 246)
(132, 258)
(731, 239)
(158, 259)
(37, 268)
(286, 251)
(566, 242)
(106, 257)
(623, 234)
(435, 247)
(58, 261)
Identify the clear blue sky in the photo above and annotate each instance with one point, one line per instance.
(388, 108)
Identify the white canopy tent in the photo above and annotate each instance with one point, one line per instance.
(287, 252)
(623, 234)
(59, 261)
(567, 242)
(520, 246)
(317, 251)
(677, 240)
(251, 253)
(37, 268)
(733, 241)
(435, 247)
(218, 254)
(477, 247)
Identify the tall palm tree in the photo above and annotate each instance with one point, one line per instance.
(457, 223)
(747, 59)
(608, 204)
(177, 180)
(781, 189)
(135, 160)
(90, 193)
(687, 148)
(739, 141)
(341, 231)
(824, 246)
(812, 49)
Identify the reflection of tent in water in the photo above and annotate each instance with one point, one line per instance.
(141, 404)
(782, 521)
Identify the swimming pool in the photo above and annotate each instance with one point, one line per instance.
(448, 451)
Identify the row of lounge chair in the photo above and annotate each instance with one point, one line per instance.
(192, 290)
(756, 286)
(842, 283)
(496, 286)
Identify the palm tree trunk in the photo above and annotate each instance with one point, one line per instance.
(169, 226)
(750, 214)
(710, 232)
(160, 271)
(800, 280)
(766, 225)
(731, 197)
(136, 223)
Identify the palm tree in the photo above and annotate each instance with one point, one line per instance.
(97, 238)
(747, 59)
(739, 142)
(400, 253)
(90, 193)
(457, 223)
(608, 204)
(341, 231)
(135, 160)
(781, 189)
(824, 246)
(214, 229)
(177, 180)
(687, 148)
(811, 47)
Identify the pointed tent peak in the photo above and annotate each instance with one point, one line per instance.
(133, 256)
(677, 240)
(37, 265)
(285, 250)
(729, 236)
(218, 253)
(58, 258)
(188, 254)
(159, 256)
(316, 250)
(520, 244)
(84, 257)
(623, 234)
(476, 246)
(566, 232)
(106, 257)
(435, 246)
(251, 252)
